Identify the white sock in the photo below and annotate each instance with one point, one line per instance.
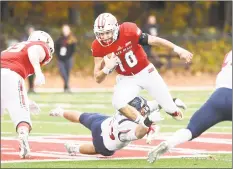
(180, 136)
(153, 105)
(77, 148)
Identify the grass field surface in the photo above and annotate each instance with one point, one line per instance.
(213, 149)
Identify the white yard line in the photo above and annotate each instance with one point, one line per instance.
(80, 157)
(80, 90)
(62, 135)
(103, 105)
(162, 136)
(96, 158)
(68, 105)
(68, 123)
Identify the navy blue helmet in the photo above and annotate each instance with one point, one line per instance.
(140, 103)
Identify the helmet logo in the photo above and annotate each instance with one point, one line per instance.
(101, 22)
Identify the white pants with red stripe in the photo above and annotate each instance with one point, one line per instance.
(14, 97)
(128, 87)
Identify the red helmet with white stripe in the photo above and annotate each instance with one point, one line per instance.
(106, 29)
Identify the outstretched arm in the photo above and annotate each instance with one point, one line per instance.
(146, 39)
(36, 54)
(141, 129)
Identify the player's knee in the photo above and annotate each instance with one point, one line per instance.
(25, 124)
(139, 135)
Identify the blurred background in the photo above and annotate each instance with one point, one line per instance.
(202, 27)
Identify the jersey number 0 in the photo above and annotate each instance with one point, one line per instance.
(130, 59)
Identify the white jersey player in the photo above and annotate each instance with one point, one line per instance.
(216, 109)
(17, 63)
(111, 133)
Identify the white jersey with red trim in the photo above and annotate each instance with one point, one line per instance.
(112, 127)
(224, 77)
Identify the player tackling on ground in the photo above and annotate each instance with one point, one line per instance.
(17, 63)
(216, 109)
(119, 47)
(111, 133)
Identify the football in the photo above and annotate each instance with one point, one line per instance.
(103, 63)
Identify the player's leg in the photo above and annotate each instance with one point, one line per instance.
(68, 65)
(17, 104)
(85, 119)
(154, 105)
(61, 65)
(214, 110)
(70, 115)
(125, 90)
(158, 89)
(89, 120)
(217, 108)
(93, 122)
(98, 141)
(74, 149)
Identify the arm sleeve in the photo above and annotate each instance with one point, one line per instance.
(143, 39)
(132, 29)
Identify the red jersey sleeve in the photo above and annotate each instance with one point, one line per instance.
(132, 30)
(96, 49)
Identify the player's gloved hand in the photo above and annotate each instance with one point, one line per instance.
(184, 54)
(34, 108)
(110, 63)
(40, 79)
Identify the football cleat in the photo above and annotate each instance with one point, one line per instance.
(178, 115)
(56, 112)
(155, 153)
(179, 103)
(72, 148)
(24, 145)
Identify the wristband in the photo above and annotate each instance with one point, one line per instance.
(147, 122)
(106, 70)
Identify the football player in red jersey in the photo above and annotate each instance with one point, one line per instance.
(119, 47)
(17, 63)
